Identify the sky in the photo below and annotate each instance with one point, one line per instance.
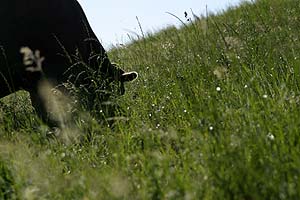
(113, 20)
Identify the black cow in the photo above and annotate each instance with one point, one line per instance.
(60, 31)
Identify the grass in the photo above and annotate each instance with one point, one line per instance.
(213, 115)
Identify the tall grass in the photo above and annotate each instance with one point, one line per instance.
(213, 115)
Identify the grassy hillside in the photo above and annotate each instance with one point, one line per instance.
(214, 115)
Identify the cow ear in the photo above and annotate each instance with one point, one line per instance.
(128, 76)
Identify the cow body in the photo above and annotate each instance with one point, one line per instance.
(60, 31)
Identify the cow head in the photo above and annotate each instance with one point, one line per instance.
(123, 77)
(106, 82)
(112, 72)
(102, 84)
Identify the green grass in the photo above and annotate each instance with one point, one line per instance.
(214, 115)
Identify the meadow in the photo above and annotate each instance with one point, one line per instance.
(214, 114)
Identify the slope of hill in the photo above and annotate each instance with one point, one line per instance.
(213, 115)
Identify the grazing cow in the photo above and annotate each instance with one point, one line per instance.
(60, 31)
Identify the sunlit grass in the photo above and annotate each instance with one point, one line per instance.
(213, 115)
